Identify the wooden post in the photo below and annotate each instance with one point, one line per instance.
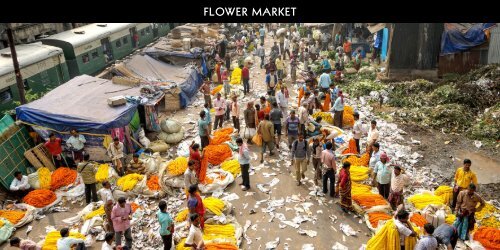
(13, 54)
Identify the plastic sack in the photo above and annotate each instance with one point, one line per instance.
(217, 183)
(257, 139)
(171, 138)
(150, 164)
(183, 149)
(33, 180)
(436, 214)
(74, 190)
(87, 209)
(6, 230)
(170, 126)
(281, 32)
(142, 188)
(159, 146)
(143, 139)
(248, 133)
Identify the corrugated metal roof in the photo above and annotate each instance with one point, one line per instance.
(92, 32)
(27, 54)
(494, 49)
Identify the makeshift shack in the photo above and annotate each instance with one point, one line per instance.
(82, 104)
(180, 84)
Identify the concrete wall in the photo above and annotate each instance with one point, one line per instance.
(29, 32)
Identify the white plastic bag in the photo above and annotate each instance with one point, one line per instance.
(33, 180)
(248, 133)
(217, 183)
(170, 126)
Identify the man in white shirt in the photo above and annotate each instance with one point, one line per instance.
(286, 46)
(404, 227)
(107, 197)
(76, 143)
(303, 118)
(115, 152)
(399, 180)
(282, 102)
(190, 176)
(372, 136)
(108, 241)
(357, 130)
(195, 237)
(220, 109)
(20, 186)
(65, 242)
(375, 155)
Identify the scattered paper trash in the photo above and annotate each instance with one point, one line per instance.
(271, 245)
(347, 230)
(338, 246)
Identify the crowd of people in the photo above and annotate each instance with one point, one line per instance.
(265, 120)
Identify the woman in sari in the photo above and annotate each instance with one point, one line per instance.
(345, 187)
(195, 204)
(194, 155)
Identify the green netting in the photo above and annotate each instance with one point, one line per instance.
(5, 123)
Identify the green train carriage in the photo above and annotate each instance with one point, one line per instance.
(43, 67)
(90, 48)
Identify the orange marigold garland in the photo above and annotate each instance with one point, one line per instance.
(40, 198)
(14, 216)
(369, 200)
(352, 149)
(153, 183)
(375, 217)
(134, 206)
(418, 219)
(358, 161)
(348, 110)
(489, 237)
(326, 104)
(347, 120)
(221, 136)
(62, 177)
(215, 155)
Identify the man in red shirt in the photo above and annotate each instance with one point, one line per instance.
(55, 149)
(245, 74)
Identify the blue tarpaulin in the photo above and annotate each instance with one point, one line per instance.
(82, 104)
(458, 37)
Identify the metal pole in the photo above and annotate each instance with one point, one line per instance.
(19, 78)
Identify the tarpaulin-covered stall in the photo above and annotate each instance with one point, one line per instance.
(458, 37)
(164, 75)
(82, 104)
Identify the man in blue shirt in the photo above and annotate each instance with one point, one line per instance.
(262, 33)
(166, 224)
(325, 80)
(203, 130)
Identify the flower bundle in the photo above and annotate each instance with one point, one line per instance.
(40, 198)
(153, 183)
(178, 166)
(44, 177)
(128, 182)
(14, 216)
(62, 177)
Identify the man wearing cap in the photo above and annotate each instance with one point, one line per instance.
(382, 176)
(398, 181)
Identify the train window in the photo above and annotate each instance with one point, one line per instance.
(95, 54)
(85, 58)
(5, 95)
(142, 33)
(148, 30)
(118, 43)
(125, 40)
